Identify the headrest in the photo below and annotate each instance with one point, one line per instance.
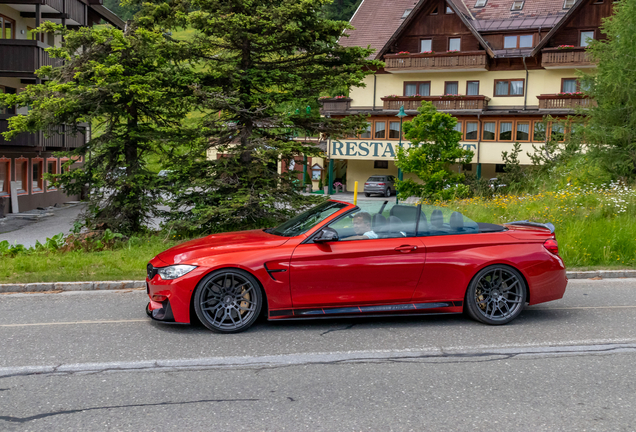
(457, 221)
(378, 221)
(395, 224)
(437, 218)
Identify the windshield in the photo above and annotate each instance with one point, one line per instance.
(305, 221)
(376, 179)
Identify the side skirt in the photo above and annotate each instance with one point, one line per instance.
(375, 310)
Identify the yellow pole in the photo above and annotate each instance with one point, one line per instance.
(355, 194)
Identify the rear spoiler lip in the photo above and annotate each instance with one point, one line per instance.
(547, 225)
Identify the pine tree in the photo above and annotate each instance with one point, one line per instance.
(260, 66)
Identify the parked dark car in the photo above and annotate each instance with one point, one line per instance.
(380, 184)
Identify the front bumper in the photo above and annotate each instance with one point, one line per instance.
(170, 299)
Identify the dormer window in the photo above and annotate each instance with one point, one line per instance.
(449, 10)
(434, 11)
(517, 5)
(567, 4)
(480, 3)
(406, 13)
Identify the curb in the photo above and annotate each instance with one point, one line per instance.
(71, 286)
(603, 274)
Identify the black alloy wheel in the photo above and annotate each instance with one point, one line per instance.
(367, 194)
(496, 295)
(228, 301)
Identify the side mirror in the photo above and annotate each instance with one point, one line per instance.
(326, 235)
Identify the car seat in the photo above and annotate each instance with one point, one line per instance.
(457, 222)
(437, 219)
(379, 225)
(408, 216)
(396, 227)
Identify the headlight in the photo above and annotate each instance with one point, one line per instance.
(174, 271)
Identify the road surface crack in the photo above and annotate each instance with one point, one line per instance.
(338, 329)
(56, 413)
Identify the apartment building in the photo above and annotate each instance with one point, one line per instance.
(498, 66)
(27, 157)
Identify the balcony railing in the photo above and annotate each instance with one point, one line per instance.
(555, 58)
(21, 57)
(38, 139)
(564, 101)
(449, 61)
(444, 103)
(335, 105)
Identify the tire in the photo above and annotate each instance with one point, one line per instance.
(496, 295)
(228, 301)
(387, 192)
(367, 195)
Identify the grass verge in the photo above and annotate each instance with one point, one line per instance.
(128, 263)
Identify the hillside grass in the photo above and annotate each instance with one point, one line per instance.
(595, 225)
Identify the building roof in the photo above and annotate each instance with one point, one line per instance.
(375, 22)
(379, 22)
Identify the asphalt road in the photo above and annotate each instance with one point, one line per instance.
(98, 363)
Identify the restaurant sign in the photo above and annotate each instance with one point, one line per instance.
(373, 150)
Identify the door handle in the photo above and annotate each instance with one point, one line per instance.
(405, 248)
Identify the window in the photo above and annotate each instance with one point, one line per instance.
(509, 87)
(451, 88)
(523, 131)
(367, 132)
(381, 164)
(449, 10)
(567, 4)
(480, 3)
(471, 131)
(586, 36)
(51, 168)
(467, 167)
(422, 88)
(394, 129)
(518, 41)
(36, 175)
(472, 88)
(538, 131)
(500, 168)
(7, 27)
(505, 131)
(5, 176)
(426, 45)
(21, 172)
(9, 90)
(380, 129)
(489, 131)
(557, 132)
(569, 85)
(434, 11)
(454, 44)
(34, 36)
(517, 5)
(458, 127)
(406, 13)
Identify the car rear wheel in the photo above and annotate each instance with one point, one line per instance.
(367, 194)
(496, 295)
(228, 301)
(387, 192)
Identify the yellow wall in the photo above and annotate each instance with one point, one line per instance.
(540, 81)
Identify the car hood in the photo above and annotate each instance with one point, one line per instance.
(216, 244)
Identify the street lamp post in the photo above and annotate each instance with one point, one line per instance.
(401, 115)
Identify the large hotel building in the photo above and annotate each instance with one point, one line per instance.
(499, 66)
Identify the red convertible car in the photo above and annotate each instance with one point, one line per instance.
(342, 260)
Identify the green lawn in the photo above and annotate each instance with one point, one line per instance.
(119, 264)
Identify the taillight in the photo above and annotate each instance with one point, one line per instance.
(552, 246)
(366, 184)
(380, 184)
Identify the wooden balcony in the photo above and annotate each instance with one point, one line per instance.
(564, 102)
(442, 103)
(21, 57)
(334, 105)
(438, 62)
(554, 58)
(54, 140)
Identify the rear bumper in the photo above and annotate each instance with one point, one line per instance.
(375, 189)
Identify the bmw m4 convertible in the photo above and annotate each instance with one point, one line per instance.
(373, 259)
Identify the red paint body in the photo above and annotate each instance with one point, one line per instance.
(360, 273)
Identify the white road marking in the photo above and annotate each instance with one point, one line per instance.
(76, 323)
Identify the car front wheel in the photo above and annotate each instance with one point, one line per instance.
(228, 301)
(496, 295)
